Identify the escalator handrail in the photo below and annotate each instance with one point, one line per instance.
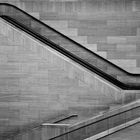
(65, 52)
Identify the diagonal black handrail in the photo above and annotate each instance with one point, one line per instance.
(71, 132)
(26, 22)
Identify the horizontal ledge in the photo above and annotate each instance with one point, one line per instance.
(53, 124)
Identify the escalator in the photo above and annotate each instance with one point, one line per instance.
(67, 127)
(70, 48)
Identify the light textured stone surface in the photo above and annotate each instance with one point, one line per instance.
(27, 66)
(44, 82)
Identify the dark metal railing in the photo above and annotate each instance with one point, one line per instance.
(73, 134)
